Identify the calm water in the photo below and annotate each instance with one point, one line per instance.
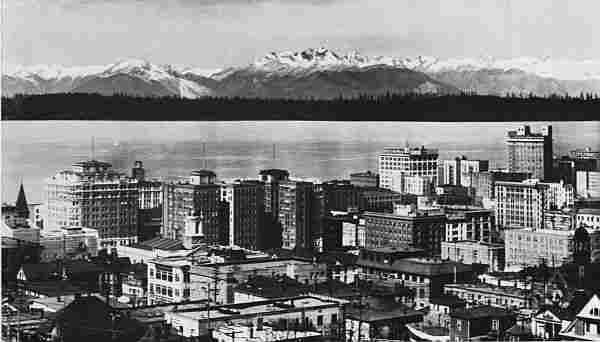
(32, 151)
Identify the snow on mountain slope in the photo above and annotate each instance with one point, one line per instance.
(52, 79)
(327, 71)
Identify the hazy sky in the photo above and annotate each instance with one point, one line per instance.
(214, 33)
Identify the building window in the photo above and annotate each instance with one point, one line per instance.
(458, 325)
(495, 325)
(320, 320)
(333, 318)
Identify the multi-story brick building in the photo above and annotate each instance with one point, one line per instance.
(199, 197)
(382, 200)
(409, 161)
(406, 227)
(93, 195)
(295, 214)
(530, 152)
(245, 208)
(484, 182)
(470, 224)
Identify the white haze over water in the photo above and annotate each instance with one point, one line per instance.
(32, 151)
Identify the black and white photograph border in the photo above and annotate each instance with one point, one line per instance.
(274, 170)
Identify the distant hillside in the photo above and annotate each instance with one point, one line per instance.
(399, 107)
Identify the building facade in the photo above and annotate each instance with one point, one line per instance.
(415, 185)
(460, 171)
(245, 204)
(519, 205)
(530, 247)
(475, 252)
(588, 217)
(523, 204)
(474, 225)
(200, 198)
(404, 229)
(365, 179)
(68, 242)
(588, 183)
(295, 215)
(409, 161)
(95, 196)
(530, 152)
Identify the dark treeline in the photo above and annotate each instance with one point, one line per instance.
(405, 107)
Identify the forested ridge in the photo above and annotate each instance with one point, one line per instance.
(392, 107)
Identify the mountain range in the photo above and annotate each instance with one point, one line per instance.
(315, 73)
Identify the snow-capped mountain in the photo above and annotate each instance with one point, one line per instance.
(130, 76)
(318, 73)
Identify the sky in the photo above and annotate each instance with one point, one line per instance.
(217, 33)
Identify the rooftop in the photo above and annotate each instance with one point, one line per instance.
(419, 266)
(471, 243)
(264, 307)
(374, 314)
(450, 301)
(483, 311)
(489, 288)
(160, 243)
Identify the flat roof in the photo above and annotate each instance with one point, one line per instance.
(474, 243)
(489, 288)
(265, 307)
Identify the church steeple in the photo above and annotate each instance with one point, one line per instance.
(21, 204)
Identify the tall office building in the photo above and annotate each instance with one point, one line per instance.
(407, 161)
(272, 178)
(150, 201)
(530, 152)
(245, 210)
(407, 227)
(460, 171)
(522, 204)
(199, 199)
(295, 214)
(272, 228)
(93, 195)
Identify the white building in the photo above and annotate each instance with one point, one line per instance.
(476, 225)
(416, 185)
(308, 312)
(588, 183)
(240, 332)
(410, 161)
(460, 171)
(522, 204)
(528, 247)
(68, 242)
(93, 195)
